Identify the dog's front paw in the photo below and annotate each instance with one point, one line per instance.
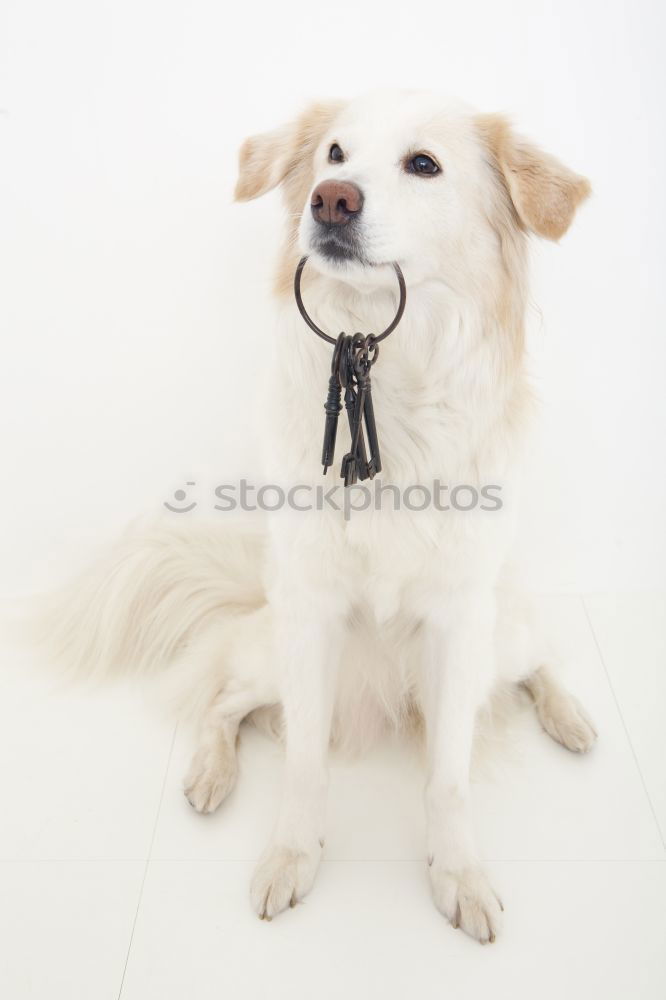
(282, 877)
(468, 901)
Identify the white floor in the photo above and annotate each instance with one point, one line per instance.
(110, 886)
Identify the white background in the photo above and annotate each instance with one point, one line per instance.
(133, 306)
(131, 282)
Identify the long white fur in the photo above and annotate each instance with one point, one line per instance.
(395, 616)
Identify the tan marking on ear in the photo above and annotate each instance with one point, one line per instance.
(506, 295)
(297, 184)
(284, 156)
(272, 158)
(263, 161)
(528, 191)
(545, 193)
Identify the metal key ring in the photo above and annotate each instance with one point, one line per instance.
(333, 340)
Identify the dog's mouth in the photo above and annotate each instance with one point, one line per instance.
(339, 245)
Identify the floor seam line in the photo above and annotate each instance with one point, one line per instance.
(148, 859)
(624, 724)
(419, 861)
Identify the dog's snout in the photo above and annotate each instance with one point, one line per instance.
(334, 203)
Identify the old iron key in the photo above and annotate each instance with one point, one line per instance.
(354, 464)
(364, 362)
(332, 406)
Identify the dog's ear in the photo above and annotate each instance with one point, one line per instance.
(267, 160)
(544, 193)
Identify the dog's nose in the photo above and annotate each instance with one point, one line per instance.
(334, 203)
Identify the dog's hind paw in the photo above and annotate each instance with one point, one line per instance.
(211, 777)
(560, 714)
(467, 900)
(566, 721)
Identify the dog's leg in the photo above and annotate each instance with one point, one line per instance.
(213, 770)
(458, 673)
(309, 638)
(229, 671)
(560, 714)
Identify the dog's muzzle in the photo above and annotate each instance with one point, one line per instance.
(336, 208)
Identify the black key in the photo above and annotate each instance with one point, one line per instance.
(348, 470)
(332, 407)
(374, 464)
(354, 464)
(352, 369)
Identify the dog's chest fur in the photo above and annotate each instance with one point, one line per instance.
(444, 412)
(444, 405)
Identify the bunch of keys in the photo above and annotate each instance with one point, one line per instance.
(353, 357)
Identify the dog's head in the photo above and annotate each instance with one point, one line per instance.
(408, 177)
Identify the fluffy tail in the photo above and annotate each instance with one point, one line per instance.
(157, 592)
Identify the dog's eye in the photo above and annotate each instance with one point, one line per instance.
(335, 154)
(422, 164)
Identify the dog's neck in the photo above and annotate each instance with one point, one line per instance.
(449, 383)
(441, 322)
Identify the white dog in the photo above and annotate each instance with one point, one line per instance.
(393, 616)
